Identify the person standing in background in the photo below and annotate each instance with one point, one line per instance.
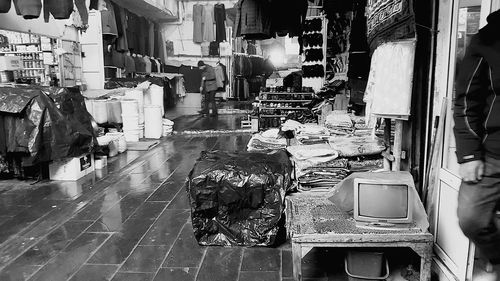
(477, 133)
(208, 88)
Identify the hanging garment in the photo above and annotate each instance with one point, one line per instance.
(82, 10)
(225, 49)
(288, 16)
(132, 30)
(129, 65)
(60, 9)
(118, 59)
(142, 35)
(140, 65)
(224, 72)
(220, 22)
(122, 42)
(151, 39)
(219, 76)
(192, 76)
(208, 23)
(197, 20)
(29, 9)
(154, 67)
(214, 49)
(108, 21)
(158, 65)
(205, 49)
(94, 5)
(156, 52)
(170, 48)
(5, 6)
(147, 63)
(253, 20)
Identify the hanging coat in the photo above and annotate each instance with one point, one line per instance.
(197, 20)
(220, 22)
(29, 9)
(60, 9)
(5, 6)
(253, 20)
(208, 23)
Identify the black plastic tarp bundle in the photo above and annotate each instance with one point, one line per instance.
(237, 199)
(33, 124)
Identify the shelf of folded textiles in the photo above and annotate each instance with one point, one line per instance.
(287, 93)
(272, 116)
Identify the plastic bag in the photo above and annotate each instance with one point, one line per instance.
(238, 198)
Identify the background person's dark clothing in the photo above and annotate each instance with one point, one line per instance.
(477, 106)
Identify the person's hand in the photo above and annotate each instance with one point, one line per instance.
(472, 172)
(201, 89)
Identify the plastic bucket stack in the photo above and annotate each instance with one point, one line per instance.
(137, 95)
(154, 96)
(122, 141)
(168, 127)
(114, 111)
(130, 118)
(100, 111)
(153, 124)
(89, 104)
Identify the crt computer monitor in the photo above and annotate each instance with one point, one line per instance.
(382, 203)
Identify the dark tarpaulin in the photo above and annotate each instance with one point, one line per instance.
(238, 198)
(33, 124)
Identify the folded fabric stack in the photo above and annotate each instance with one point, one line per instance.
(339, 123)
(324, 176)
(268, 140)
(357, 146)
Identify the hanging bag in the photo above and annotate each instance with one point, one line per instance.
(60, 9)
(5, 6)
(29, 9)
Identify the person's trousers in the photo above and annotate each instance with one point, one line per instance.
(477, 207)
(207, 101)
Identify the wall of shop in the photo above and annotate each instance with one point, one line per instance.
(181, 32)
(61, 29)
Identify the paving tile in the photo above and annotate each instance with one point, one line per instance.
(166, 192)
(286, 264)
(91, 272)
(186, 251)
(176, 274)
(221, 264)
(149, 211)
(18, 272)
(120, 245)
(71, 259)
(122, 276)
(259, 276)
(180, 202)
(95, 209)
(166, 229)
(53, 244)
(145, 259)
(261, 259)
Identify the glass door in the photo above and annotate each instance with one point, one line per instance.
(453, 249)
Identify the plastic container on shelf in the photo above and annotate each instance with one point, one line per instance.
(100, 111)
(153, 122)
(114, 111)
(366, 265)
(131, 135)
(138, 95)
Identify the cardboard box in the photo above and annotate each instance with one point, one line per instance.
(10, 63)
(72, 169)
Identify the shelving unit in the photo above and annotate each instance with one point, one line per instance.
(273, 107)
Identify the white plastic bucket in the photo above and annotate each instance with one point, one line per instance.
(89, 104)
(122, 142)
(154, 96)
(153, 122)
(100, 111)
(130, 107)
(131, 135)
(130, 122)
(114, 111)
(137, 95)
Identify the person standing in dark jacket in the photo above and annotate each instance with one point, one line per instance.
(477, 133)
(208, 88)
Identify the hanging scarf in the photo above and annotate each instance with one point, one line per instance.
(5, 6)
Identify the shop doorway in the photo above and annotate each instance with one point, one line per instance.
(456, 254)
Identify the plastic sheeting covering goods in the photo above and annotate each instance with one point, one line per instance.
(237, 199)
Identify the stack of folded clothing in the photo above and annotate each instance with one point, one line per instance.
(269, 140)
(324, 176)
(339, 123)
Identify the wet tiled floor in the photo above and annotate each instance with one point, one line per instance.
(131, 224)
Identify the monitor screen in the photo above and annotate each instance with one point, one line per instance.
(383, 201)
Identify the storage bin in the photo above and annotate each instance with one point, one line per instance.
(366, 265)
(72, 169)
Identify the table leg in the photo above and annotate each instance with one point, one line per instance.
(297, 261)
(425, 268)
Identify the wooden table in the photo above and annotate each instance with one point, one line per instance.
(317, 222)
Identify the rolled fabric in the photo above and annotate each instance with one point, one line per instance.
(29, 9)
(60, 9)
(5, 6)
